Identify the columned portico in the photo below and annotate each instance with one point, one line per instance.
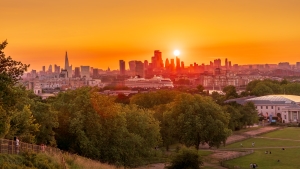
(291, 113)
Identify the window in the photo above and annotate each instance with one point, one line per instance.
(278, 108)
(261, 107)
(284, 116)
(266, 107)
(271, 107)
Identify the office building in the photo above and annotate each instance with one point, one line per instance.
(122, 67)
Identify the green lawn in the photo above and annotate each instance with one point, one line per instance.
(262, 142)
(287, 133)
(288, 158)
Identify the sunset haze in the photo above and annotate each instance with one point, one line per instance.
(100, 33)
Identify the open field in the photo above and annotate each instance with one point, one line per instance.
(273, 142)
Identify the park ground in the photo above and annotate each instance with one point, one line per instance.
(283, 143)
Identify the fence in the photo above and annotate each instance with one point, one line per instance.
(10, 147)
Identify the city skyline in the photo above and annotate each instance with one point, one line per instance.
(100, 34)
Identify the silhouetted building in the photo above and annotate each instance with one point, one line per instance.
(77, 72)
(85, 72)
(284, 65)
(122, 67)
(95, 73)
(68, 68)
(172, 65)
(156, 60)
(139, 69)
(167, 64)
(177, 63)
(146, 64)
(50, 69)
(217, 63)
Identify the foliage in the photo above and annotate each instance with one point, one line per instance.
(187, 158)
(230, 92)
(249, 114)
(235, 116)
(122, 98)
(265, 87)
(199, 119)
(23, 125)
(94, 126)
(151, 99)
(13, 69)
(28, 160)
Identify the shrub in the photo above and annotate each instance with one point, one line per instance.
(187, 158)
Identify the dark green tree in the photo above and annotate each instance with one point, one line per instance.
(230, 92)
(200, 120)
(186, 158)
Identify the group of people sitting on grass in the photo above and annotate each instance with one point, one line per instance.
(254, 165)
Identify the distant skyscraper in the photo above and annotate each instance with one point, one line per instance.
(226, 63)
(156, 60)
(132, 67)
(67, 66)
(177, 63)
(77, 72)
(50, 69)
(122, 67)
(298, 65)
(217, 63)
(44, 69)
(95, 73)
(85, 72)
(172, 65)
(146, 64)
(167, 64)
(139, 69)
(33, 73)
(56, 69)
(182, 65)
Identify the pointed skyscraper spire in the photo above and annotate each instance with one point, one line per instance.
(66, 61)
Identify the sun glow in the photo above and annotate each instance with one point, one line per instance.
(176, 52)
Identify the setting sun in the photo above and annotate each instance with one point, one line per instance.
(176, 52)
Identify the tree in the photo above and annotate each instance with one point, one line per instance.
(235, 117)
(199, 119)
(187, 158)
(93, 125)
(200, 89)
(9, 67)
(261, 89)
(249, 114)
(230, 92)
(151, 99)
(24, 125)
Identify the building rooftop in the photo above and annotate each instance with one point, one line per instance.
(269, 99)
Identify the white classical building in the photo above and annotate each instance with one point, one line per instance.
(285, 107)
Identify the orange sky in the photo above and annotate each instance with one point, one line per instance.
(99, 33)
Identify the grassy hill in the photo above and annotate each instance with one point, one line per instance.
(28, 160)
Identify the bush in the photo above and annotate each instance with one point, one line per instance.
(187, 158)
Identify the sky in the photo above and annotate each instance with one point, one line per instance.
(99, 33)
